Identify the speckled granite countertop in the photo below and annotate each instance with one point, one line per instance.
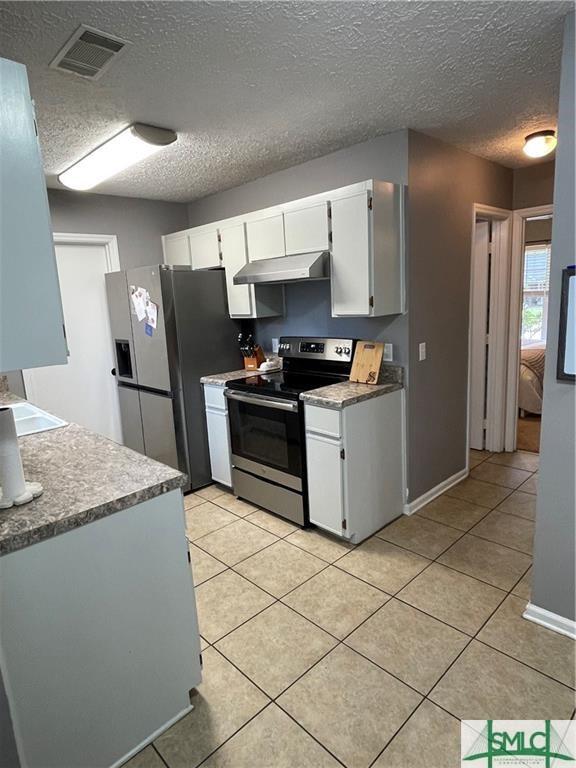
(346, 393)
(220, 379)
(335, 395)
(85, 477)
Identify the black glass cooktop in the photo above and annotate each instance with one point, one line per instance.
(284, 383)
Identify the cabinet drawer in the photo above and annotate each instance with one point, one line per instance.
(214, 397)
(324, 421)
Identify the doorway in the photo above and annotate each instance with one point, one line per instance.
(488, 335)
(83, 391)
(530, 273)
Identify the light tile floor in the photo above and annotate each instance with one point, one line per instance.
(317, 653)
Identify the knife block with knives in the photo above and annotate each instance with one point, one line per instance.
(251, 352)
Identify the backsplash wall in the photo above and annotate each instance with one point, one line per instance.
(308, 313)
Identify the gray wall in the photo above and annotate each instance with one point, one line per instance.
(382, 158)
(554, 543)
(534, 185)
(137, 223)
(308, 304)
(443, 185)
(8, 751)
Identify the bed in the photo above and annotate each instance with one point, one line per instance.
(531, 378)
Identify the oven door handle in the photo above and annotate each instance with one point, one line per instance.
(265, 402)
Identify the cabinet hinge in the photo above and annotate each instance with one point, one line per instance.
(371, 301)
(342, 454)
(344, 525)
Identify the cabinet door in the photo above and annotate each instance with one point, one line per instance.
(351, 255)
(205, 250)
(219, 445)
(265, 237)
(325, 482)
(176, 249)
(234, 257)
(306, 229)
(31, 319)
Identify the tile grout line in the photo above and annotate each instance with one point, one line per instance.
(341, 641)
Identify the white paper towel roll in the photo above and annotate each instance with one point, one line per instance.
(15, 490)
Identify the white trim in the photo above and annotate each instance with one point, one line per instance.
(500, 272)
(149, 739)
(439, 489)
(550, 620)
(109, 242)
(497, 350)
(515, 314)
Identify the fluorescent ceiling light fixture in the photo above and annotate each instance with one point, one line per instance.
(127, 148)
(540, 143)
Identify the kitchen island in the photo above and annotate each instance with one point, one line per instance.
(99, 643)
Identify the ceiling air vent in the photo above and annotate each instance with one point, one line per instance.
(89, 53)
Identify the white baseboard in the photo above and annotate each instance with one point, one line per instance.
(550, 620)
(421, 501)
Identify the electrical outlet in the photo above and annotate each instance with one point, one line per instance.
(422, 351)
(388, 352)
(275, 343)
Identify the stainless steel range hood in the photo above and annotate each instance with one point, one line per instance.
(285, 269)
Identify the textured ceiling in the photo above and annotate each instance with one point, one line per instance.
(253, 87)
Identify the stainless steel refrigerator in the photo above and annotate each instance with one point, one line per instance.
(170, 326)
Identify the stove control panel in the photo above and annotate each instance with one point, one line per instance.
(317, 348)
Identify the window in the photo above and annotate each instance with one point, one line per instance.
(535, 293)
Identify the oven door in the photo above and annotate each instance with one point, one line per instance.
(265, 437)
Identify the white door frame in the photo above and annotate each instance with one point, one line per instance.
(501, 219)
(110, 245)
(516, 268)
(109, 242)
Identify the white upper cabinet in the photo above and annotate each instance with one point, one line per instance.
(362, 225)
(31, 319)
(234, 257)
(368, 252)
(351, 284)
(176, 248)
(265, 237)
(204, 249)
(246, 300)
(307, 229)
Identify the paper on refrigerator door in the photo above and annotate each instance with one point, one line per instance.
(152, 313)
(138, 296)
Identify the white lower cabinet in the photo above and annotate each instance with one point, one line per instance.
(325, 483)
(218, 434)
(355, 465)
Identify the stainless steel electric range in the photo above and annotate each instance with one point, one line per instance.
(266, 419)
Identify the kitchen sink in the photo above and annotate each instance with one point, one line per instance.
(29, 419)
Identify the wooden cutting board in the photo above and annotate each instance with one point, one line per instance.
(367, 361)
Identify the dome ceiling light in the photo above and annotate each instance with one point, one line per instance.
(540, 143)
